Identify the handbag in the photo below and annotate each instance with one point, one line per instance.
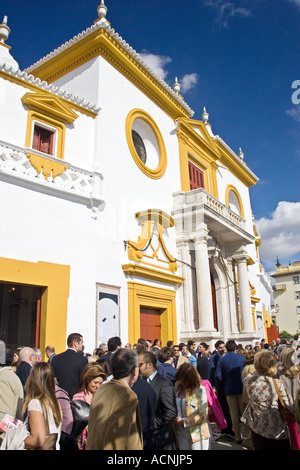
(285, 413)
(80, 411)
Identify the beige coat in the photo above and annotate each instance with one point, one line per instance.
(114, 420)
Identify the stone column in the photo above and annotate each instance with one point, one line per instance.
(244, 293)
(232, 298)
(204, 296)
(187, 324)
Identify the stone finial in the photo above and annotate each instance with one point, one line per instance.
(205, 116)
(176, 86)
(102, 10)
(4, 30)
(241, 155)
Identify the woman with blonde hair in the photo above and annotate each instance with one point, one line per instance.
(289, 374)
(91, 378)
(44, 415)
(192, 428)
(262, 415)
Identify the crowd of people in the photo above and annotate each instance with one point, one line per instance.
(147, 396)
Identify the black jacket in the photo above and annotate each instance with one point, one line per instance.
(67, 367)
(23, 371)
(147, 398)
(165, 412)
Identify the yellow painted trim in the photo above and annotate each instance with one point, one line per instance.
(55, 279)
(102, 43)
(5, 45)
(234, 166)
(152, 297)
(229, 188)
(60, 127)
(201, 151)
(30, 86)
(161, 168)
(149, 272)
(45, 165)
(50, 106)
(152, 222)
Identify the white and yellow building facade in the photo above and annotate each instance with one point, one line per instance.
(122, 214)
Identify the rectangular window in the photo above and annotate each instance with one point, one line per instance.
(298, 309)
(43, 140)
(196, 177)
(297, 294)
(296, 279)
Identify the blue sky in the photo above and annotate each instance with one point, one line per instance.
(237, 58)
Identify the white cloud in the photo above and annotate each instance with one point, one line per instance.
(188, 81)
(156, 62)
(280, 233)
(296, 2)
(294, 113)
(227, 10)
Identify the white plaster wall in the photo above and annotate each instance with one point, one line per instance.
(79, 142)
(13, 113)
(40, 227)
(225, 178)
(126, 190)
(83, 81)
(125, 186)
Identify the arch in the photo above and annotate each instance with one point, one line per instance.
(234, 201)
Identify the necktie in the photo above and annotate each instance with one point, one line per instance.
(149, 381)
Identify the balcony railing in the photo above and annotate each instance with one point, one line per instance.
(74, 182)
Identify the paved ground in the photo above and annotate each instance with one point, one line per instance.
(223, 442)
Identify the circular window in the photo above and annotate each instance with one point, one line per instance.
(146, 144)
(139, 146)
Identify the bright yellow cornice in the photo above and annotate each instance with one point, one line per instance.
(239, 169)
(50, 105)
(101, 43)
(187, 131)
(211, 150)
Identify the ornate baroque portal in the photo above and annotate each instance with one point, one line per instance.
(152, 275)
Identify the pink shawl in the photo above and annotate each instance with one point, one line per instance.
(216, 414)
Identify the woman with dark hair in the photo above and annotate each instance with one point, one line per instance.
(192, 421)
(43, 410)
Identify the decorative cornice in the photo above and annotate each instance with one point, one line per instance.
(234, 163)
(150, 273)
(102, 40)
(36, 84)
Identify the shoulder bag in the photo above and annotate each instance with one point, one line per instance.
(286, 414)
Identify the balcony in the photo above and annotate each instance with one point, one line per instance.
(279, 287)
(192, 208)
(72, 183)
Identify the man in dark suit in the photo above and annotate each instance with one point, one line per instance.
(147, 399)
(68, 366)
(165, 406)
(27, 360)
(50, 353)
(229, 375)
(113, 344)
(166, 358)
